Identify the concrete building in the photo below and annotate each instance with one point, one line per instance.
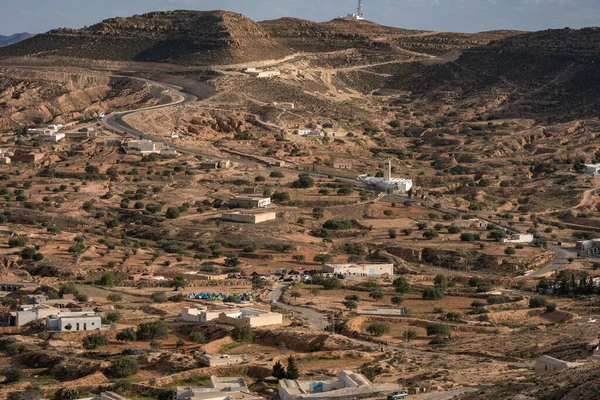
(232, 316)
(27, 314)
(219, 360)
(592, 169)
(35, 298)
(549, 365)
(471, 223)
(250, 317)
(349, 385)
(215, 164)
(226, 388)
(360, 269)
(74, 321)
(387, 183)
(201, 314)
(147, 147)
(258, 73)
(249, 216)
(519, 238)
(309, 132)
(250, 202)
(26, 156)
(6, 286)
(49, 130)
(342, 164)
(589, 248)
(143, 276)
(52, 137)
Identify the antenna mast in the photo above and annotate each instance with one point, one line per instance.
(360, 9)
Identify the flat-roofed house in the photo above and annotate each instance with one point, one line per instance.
(549, 365)
(349, 385)
(74, 321)
(360, 269)
(250, 202)
(249, 216)
(220, 388)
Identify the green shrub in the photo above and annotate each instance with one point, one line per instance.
(124, 367)
(152, 330)
(436, 329)
(242, 333)
(377, 328)
(94, 340)
(537, 302)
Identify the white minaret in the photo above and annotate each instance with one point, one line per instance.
(387, 170)
(359, 10)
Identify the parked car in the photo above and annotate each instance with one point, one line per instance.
(397, 395)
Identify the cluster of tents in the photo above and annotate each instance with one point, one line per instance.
(225, 297)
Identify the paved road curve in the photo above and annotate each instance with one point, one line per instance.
(115, 123)
(561, 259)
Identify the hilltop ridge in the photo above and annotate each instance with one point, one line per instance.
(184, 37)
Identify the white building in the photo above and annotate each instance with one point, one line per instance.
(360, 269)
(226, 388)
(50, 129)
(53, 137)
(249, 216)
(257, 73)
(549, 365)
(350, 385)
(387, 183)
(309, 132)
(592, 169)
(232, 316)
(250, 202)
(74, 321)
(146, 147)
(519, 238)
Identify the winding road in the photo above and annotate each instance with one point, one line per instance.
(114, 122)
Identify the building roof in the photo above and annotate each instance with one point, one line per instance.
(249, 212)
(554, 361)
(250, 198)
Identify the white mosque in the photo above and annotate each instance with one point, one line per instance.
(388, 184)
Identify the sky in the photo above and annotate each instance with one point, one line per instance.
(37, 16)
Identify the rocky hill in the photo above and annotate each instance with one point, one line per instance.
(340, 34)
(15, 38)
(550, 75)
(184, 37)
(571, 384)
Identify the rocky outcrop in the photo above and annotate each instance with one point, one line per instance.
(184, 37)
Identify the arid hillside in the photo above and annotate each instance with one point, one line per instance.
(549, 75)
(571, 384)
(340, 34)
(184, 37)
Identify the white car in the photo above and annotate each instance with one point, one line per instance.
(397, 395)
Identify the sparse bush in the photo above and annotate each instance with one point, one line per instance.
(377, 328)
(537, 302)
(94, 340)
(432, 294)
(242, 333)
(152, 330)
(126, 335)
(124, 367)
(159, 297)
(197, 337)
(114, 297)
(436, 329)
